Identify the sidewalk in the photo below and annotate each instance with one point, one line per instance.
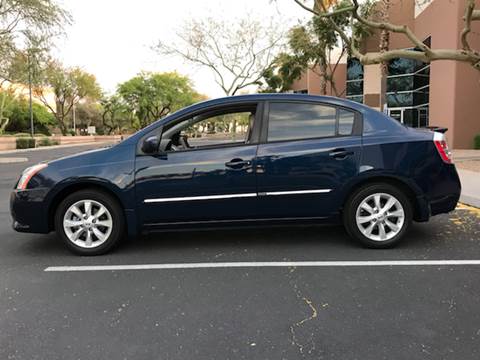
(467, 163)
(40, 148)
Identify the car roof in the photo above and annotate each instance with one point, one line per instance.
(285, 97)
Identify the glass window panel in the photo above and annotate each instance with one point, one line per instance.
(420, 81)
(423, 116)
(217, 130)
(358, 98)
(409, 117)
(420, 98)
(345, 122)
(354, 69)
(402, 83)
(400, 100)
(401, 66)
(355, 87)
(288, 121)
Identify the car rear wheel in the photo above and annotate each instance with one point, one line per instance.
(378, 215)
(89, 222)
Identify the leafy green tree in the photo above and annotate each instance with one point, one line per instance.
(281, 75)
(88, 113)
(68, 86)
(43, 19)
(310, 46)
(115, 115)
(151, 96)
(16, 110)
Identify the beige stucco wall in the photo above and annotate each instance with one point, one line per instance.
(454, 86)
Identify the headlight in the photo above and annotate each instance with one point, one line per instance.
(27, 174)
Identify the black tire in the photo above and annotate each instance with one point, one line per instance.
(115, 210)
(354, 201)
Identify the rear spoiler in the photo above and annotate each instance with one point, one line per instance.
(439, 129)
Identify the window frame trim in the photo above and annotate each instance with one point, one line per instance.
(357, 127)
(254, 136)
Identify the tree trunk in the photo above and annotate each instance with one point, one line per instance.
(323, 76)
(384, 46)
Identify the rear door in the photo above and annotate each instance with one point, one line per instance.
(308, 151)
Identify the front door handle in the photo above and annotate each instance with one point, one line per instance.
(340, 154)
(238, 164)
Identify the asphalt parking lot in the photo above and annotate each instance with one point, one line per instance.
(410, 311)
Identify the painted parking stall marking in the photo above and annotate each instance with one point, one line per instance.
(260, 264)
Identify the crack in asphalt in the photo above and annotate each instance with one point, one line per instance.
(309, 343)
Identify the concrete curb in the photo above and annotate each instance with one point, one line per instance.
(470, 200)
(470, 194)
(19, 151)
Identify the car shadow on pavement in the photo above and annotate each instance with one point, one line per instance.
(285, 241)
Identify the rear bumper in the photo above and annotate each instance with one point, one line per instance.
(442, 193)
(446, 194)
(444, 205)
(29, 212)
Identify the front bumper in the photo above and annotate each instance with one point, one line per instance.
(29, 211)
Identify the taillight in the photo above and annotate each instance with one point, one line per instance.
(28, 174)
(442, 147)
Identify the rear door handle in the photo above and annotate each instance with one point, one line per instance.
(238, 163)
(340, 154)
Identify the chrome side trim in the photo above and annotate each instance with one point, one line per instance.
(207, 197)
(297, 192)
(233, 196)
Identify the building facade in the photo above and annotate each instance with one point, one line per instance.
(443, 93)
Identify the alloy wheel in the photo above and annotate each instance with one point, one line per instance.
(87, 223)
(380, 217)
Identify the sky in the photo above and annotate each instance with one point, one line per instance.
(112, 39)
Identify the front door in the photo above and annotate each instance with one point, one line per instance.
(311, 151)
(204, 171)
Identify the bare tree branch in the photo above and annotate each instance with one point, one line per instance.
(468, 22)
(236, 53)
(422, 51)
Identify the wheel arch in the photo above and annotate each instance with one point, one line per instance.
(414, 195)
(68, 189)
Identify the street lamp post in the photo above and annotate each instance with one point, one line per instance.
(74, 124)
(30, 104)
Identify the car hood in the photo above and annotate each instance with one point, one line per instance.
(103, 156)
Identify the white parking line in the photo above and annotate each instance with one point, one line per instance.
(260, 264)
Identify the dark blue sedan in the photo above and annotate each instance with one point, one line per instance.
(245, 160)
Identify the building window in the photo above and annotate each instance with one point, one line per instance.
(354, 80)
(408, 90)
(302, 91)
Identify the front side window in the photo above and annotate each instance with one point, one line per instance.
(293, 121)
(211, 129)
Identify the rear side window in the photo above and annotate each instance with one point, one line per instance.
(293, 121)
(345, 122)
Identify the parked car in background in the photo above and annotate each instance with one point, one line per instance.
(254, 159)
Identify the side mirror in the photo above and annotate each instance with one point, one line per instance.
(150, 145)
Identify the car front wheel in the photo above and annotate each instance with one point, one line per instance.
(89, 222)
(378, 215)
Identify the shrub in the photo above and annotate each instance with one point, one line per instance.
(25, 142)
(22, 134)
(45, 141)
(476, 142)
